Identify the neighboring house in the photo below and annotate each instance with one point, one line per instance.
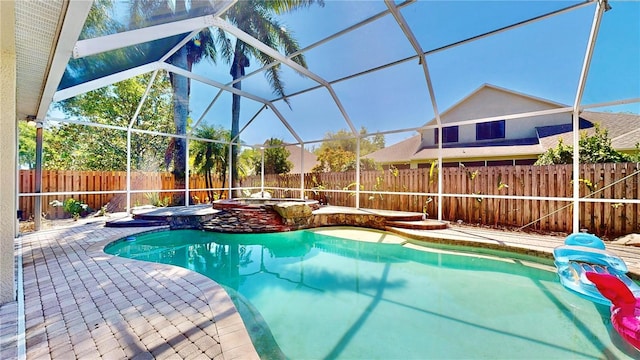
(305, 160)
(502, 141)
(623, 130)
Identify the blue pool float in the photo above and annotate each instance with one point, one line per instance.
(582, 253)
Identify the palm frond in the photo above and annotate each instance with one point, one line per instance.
(283, 6)
(225, 46)
(201, 46)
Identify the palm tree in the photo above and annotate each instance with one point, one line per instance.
(200, 47)
(256, 18)
(211, 157)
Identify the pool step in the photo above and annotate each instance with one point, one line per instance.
(418, 225)
(402, 217)
(130, 222)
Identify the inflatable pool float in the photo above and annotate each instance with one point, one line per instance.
(625, 307)
(583, 253)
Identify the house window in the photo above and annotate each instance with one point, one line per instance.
(500, 163)
(449, 133)
(490, 130)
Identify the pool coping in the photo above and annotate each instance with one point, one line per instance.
(514, 242)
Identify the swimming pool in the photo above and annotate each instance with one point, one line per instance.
(310, 295)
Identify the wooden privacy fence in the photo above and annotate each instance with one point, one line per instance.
(470, 185)
(465, 190)
(95, 181)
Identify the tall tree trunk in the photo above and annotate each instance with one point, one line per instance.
(240, 61)
(223, 175)
(180, 86)
(208, 183)
(235, 129)
(224, 181)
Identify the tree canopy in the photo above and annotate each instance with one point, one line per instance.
(257, 19)
(276, 158)
(254, 17)
(26, 145)
(595, 148)
(211, 158)
(338, 151)
(82, 147)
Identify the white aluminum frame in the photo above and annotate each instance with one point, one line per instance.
(78, 10)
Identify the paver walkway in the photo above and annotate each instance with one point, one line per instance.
(83, 303)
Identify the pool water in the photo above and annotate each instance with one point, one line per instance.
(307, 295)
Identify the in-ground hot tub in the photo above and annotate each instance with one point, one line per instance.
(244, 215)
(240, 203)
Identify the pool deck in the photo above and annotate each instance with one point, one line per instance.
(82, 303)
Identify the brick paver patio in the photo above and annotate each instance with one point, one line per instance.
(83, 303)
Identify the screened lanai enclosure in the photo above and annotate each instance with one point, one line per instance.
(184, 102)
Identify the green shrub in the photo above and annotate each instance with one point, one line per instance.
(154, 199)
(71, 206)
(594, 149)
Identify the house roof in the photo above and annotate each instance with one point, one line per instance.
(409, 150)
(545, 131)
(623, 129)
(549, 135)
(479, 152)
(310, 159)
(485, 87)
(38, 25)
(399, 152)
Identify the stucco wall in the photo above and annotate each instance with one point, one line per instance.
(490, 102)
(8, 146)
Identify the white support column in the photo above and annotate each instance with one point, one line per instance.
(8, 144)
(131, 122)
(302, 171)
(230, 169)
(358, 172)
(575, 120)
(128, 209)
(16, 230)
(262, 173)
(425, 68)
(37, 216)
(440, 177)
(187, 177)
(601, 7)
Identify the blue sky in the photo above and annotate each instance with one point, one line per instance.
(542, 59)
